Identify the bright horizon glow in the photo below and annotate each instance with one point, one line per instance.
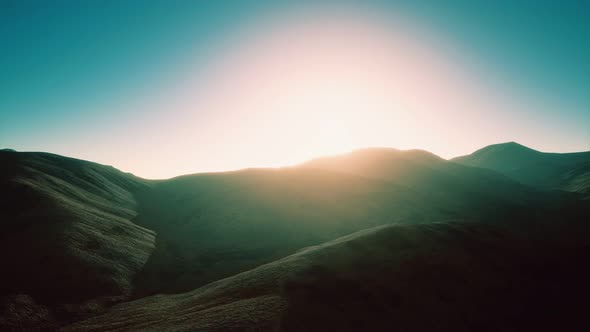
(302, 89)
(297, 86)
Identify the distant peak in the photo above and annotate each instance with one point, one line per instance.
(7, 150)
(385, 151)
(511, 143)
(508, 146)
(378, 154)
(514, 144)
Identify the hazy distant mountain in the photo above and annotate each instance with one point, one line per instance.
(428, 173)
(427, 277)
(78, 236)
(567, 171)
(68, 244)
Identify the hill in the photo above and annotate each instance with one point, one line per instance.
(423, 171)
(577, 179)
(422, 277)
(212, 226)
(543, 170)
(68, 245)
(78, 236)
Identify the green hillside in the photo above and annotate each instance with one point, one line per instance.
(577, 179)
(422, 277)
(79, 237)
(68, 245)
(452, 184)
(214, 225)
(537, 169)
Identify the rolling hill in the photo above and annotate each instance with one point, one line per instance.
(577, 179)
(566, 171)
(68, 245)
(450, 183)
(79, 237)
(422, 277)
(249, 217)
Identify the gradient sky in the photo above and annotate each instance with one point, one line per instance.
(163, 88)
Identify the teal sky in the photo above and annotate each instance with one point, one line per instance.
(94, 79)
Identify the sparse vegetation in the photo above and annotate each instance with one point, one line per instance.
(421, 277)
(68, 246)
(469, 248)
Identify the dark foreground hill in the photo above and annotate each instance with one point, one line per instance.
(422, 277)
(567, 171)
(68, 245)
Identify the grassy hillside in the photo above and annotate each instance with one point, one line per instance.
(214, 225)
(422, 277)
(68, 245)
(532, 167)
(577, 179)
(79, 236)
(450, 184)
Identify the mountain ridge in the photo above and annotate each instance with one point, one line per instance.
(544, 170)
(92, 236)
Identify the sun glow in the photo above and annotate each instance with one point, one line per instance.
(307, 88)
(286, 90)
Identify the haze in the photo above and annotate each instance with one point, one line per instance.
(274, 85)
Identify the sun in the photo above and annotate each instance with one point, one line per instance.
(299, 90)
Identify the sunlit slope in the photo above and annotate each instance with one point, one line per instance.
(214, 225)
(68, 244)
(428, 173)
(211, 226)
(532, 167)
(472, 193)
(415, 277)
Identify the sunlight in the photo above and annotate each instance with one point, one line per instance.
(290, 88)
(304, 90)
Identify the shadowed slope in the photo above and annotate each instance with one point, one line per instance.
(214, 225)
(532, 167)
(421, 277)
(87, 231)
(578, 179)
(67, 244)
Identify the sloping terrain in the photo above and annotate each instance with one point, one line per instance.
(68, 245)
(537, 169)
(422, 277)
(78, 236)
(450, 184)
(577, 179)
(211, 226)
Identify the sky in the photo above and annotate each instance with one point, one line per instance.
(164, 88)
